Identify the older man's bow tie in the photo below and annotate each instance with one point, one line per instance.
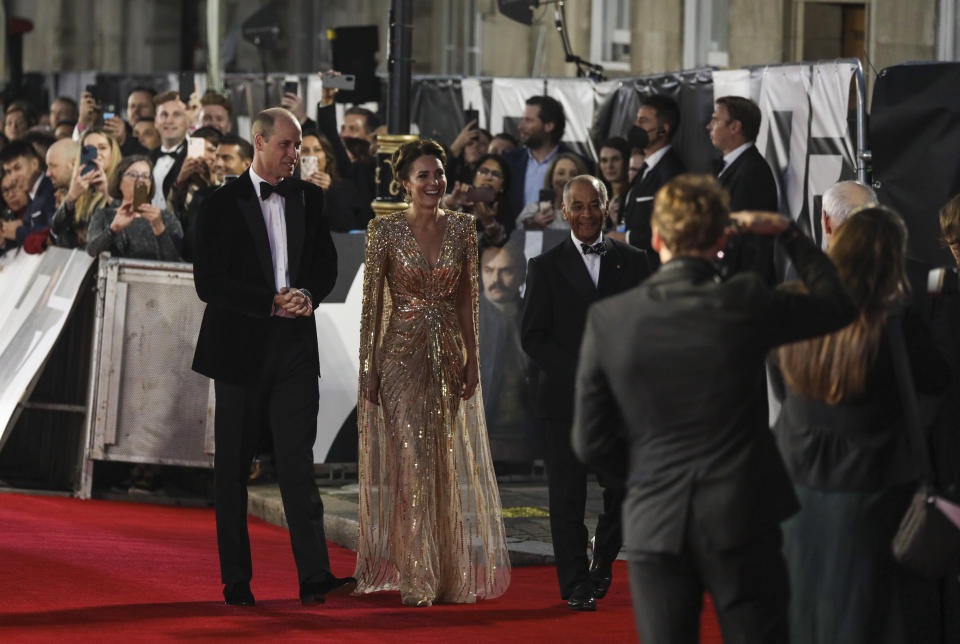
(284, 189)
(598, 249)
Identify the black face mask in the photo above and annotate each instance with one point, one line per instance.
(638, 137)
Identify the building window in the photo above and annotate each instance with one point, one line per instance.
(706, 33)
(610, 34)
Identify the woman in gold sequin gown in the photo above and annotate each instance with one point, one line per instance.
(430, 514)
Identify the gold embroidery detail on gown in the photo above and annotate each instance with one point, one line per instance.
(430, 514)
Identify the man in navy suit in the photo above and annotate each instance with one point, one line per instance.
(561, 285)
(19, 159)
(541, 129)
(264, 257)
(747, 178)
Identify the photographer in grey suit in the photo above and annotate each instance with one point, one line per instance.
(672, 407)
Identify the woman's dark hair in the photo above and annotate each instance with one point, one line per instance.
(406, 154)
(331, 159)
(504, 169)
(869, 250)
(113, 184)
(623, 147)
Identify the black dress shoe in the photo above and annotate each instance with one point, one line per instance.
(600, 576)
(582, 598)
(238, 594)
(316, 592)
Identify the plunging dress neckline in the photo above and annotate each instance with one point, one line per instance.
(443, 242)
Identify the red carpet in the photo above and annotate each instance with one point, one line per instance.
(96, 571)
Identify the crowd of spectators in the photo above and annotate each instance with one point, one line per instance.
(135, 184)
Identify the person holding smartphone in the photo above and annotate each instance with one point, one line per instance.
(96, 159)
(467, 148)
(130, 226)
(341, 202)
(483, 196)
(548, 211)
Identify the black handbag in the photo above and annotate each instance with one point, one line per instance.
(928, 539)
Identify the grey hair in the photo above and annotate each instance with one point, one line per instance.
(844, 198)
(593, 181)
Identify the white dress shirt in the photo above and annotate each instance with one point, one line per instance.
(591, 261)
(36, 186)
(273, 209)
(160, 171)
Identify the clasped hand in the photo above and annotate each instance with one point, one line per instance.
(293, 301)
(126, 213)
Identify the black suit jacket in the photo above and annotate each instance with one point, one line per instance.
(233, 274)
(676, 362)
(750, 183)
(362, 174)
(751, 186)
(558, 293)
(178, 159)
(637, 204)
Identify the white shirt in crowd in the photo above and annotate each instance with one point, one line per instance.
(591, 261)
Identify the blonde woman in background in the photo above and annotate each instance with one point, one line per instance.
(88, 190)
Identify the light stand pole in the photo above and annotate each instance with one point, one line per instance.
(399, 62)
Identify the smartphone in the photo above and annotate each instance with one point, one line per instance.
(140, 192)
(291, 87)
(343, 81)
(109, 111)
(186, 86)
(547, 194)
(196, 147)
(88, 159)
(471, 115)
(308, 165)
(486, 194)
(92, 91)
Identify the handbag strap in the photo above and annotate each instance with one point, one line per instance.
(908, 394)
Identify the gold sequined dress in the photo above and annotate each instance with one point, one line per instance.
(430, 515)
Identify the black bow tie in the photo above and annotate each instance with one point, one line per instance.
(284, 189)
(597, 249)
(172, 153)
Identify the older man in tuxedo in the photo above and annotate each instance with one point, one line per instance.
(264, 257)
(672, 406)
(561, 284)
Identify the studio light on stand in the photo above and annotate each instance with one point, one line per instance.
(522, 12)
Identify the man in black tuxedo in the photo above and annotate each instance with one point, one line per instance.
(263, 258)
(659, 118)
(561, 284)
(672, 407)
(171, 123)
(747, 178)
